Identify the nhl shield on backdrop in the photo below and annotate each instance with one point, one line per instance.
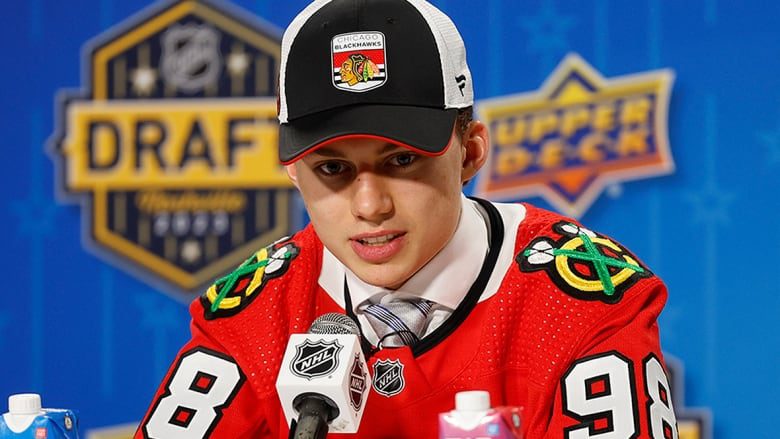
(578, 134)
(171, 146)
(315, 358)
(389, 377)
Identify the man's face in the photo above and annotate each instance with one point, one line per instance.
(381, 209)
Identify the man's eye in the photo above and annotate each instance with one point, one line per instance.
(332, 168)
(403, 160)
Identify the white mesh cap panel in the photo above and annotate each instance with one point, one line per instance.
(287, 40)
(452, 53)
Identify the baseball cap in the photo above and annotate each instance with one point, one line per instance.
(389, 69)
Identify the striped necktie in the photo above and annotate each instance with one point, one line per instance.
(400, 322)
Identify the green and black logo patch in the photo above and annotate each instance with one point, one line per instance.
(234, 292)
(583, 264)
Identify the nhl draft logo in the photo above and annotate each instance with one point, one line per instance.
(315, 358)
(359, 61)
(577, 135)
(388, 377)
(170, 147)
(583, 264)
(357, 383)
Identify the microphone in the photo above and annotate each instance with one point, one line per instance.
(323, 381)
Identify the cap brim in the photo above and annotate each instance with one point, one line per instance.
(425, 130)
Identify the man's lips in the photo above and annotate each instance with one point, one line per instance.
(377, 238)
(377, 247)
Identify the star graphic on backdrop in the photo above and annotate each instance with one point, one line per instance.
(160, 318)
(191, 251)
(771, 140)
(615, 190)
(35, 214)
(156, 313)
(237, 63)
(144, 79)
(669, 320)
(548, 30)
(710, 204)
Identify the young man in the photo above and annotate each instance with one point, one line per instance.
(450, 293)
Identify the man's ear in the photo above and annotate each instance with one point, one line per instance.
(476, 146)
(292, 173)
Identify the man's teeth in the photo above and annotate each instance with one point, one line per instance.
(377, 240)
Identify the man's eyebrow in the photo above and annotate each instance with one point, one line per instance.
(328, 152)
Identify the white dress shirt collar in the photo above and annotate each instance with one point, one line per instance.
(446, 278)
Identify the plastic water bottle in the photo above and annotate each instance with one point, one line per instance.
(474, 418)
(26, 419)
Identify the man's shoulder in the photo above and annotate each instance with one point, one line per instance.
(266, 273)
(581, 263)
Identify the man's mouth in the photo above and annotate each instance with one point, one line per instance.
(378, 240)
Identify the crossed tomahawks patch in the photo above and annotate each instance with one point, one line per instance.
(234, 292)
(583, 264)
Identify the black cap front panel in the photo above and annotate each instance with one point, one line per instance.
(412, 69)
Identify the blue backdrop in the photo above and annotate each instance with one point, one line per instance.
(92, 337)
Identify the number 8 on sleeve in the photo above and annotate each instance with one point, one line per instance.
(201, 385)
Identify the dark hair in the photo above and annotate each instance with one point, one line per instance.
(464, 118)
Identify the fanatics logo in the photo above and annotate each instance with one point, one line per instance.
(315, 358)
(388, 377)
(358, 61)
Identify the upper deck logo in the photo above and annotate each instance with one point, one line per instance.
(171, 145)
(577, 134)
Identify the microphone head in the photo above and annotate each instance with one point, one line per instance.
(334, 323)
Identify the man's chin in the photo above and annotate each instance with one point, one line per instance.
(381, 276)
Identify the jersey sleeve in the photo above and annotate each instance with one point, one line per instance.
(615, 385)
(204, 394)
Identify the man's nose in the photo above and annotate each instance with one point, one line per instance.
(371, 200)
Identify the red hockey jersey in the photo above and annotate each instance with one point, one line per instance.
(568, 332)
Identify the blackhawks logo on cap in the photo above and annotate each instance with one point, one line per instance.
(359, 61)
(171, 145)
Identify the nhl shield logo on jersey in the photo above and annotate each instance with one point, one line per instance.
(578, 134)
(357, 383)
(389, 377)
(583, 264)
(359, 61)
(315, 358)
(171, 144)
(234, 292)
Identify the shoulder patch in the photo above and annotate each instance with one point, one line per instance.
(234, 292)
(583, 264)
